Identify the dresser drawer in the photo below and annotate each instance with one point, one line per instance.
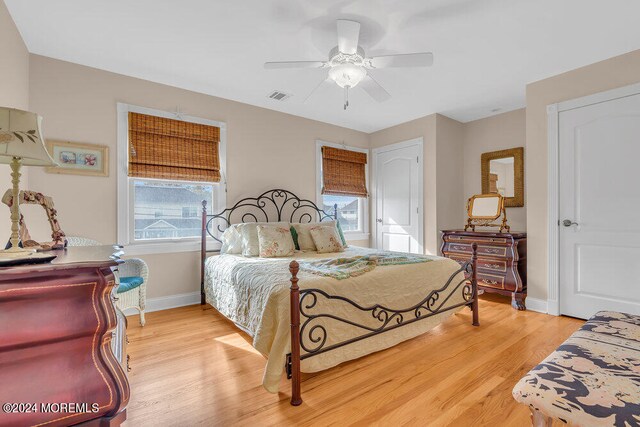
(460, 259)
(465, 239)
(497, 265)
(490, 265)
(465, 248)
(490, 280)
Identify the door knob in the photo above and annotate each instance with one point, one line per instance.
(568, 223)
(379, 220)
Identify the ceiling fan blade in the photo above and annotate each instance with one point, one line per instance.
(424, 59)
(293, 64)
(348, 35)
(322, 83)
(374, 89)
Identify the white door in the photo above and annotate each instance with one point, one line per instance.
(599, 208)
(398, 176)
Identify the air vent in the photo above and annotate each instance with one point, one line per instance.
(279, 96)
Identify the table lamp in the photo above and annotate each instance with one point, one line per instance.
(21, 143)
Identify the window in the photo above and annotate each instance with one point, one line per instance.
(352, 209)
(174, 163)
(168, 210)
(349, 211)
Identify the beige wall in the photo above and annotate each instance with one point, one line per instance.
(14, 92)
(610, 74)
(450, 174)
(265, 149)
(506, 130)
(443, 182)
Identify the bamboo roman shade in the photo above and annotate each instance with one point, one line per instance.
(343, 172)
(173, 149)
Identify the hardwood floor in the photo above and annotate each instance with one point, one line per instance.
(193, 367)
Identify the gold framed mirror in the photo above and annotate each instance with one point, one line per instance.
(503, 173)
(483, 209)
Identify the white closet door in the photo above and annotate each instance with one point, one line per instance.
(399, 198)
(599, 208)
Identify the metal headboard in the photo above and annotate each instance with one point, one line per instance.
(271, 206)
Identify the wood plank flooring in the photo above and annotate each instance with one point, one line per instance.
(191, 366)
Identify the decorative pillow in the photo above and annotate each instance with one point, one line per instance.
(326, 239)
(249, 233)
(275, 241)
(305, 242)
(294, 234)
(231, 240)
(344, 241)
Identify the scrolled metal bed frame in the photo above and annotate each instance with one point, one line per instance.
(309, 335)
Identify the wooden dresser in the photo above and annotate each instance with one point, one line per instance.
(56, 330)
(502, 260)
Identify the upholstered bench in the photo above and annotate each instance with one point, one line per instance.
(592, 379)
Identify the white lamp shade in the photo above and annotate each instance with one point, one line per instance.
(21, 136)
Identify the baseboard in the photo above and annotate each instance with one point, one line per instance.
(165, 303)
(181, 300)
(535, 304)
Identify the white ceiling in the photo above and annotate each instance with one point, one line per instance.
(486, 51)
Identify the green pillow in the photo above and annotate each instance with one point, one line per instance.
(294, 234)
(344, 241)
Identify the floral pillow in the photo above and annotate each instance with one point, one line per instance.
(249, 233)
(303, 236)
(326, 239)
(275, 241)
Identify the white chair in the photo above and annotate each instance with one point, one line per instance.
(134, 276)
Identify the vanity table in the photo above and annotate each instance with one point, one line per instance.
(55, 341)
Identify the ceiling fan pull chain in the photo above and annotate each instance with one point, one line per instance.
(346, 97)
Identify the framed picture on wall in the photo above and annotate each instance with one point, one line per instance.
(79, 158)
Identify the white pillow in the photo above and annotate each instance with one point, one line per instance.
(275, 240)
(231, 240)
(305, 241)
(326, 239)
(249, 233)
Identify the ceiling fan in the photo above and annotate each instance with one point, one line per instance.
(348, 66)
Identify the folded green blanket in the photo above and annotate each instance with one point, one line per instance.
(343, 268)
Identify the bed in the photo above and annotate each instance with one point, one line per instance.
(304, 318)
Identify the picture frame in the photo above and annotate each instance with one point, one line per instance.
(76, 158)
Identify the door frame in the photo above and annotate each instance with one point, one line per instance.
(553, 175)
(374, 187)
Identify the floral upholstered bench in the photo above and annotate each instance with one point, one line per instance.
(592, 379)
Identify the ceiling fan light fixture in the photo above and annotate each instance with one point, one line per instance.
(348, 64)
(347, 75)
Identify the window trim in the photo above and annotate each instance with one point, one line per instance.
(349, 235)
(125, 195)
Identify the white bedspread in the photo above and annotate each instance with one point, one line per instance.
(254, 294)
